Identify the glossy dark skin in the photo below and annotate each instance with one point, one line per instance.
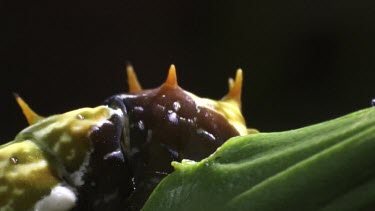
(165, 125)
(108, 178)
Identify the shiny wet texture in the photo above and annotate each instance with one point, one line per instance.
(107, 180)
(166, 125)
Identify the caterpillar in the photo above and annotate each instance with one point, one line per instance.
(111, 157)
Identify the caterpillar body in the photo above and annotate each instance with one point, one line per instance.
(111, 157)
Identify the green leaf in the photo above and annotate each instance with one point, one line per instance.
(328, 166)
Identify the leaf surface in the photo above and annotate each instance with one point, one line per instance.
(328, 166)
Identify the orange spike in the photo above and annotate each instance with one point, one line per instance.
(30, 115)
(133, 82)
(235, 88)
(172, 77)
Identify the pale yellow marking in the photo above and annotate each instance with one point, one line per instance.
(18, 191)
(68, 136)
(228, 110)
(29, 179)
(230, 105)
(33, 176)
(24, 170)
(3, 163)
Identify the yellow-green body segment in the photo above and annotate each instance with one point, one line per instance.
(47, 154)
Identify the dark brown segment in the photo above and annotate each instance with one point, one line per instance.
(167, 125)
(107, 178)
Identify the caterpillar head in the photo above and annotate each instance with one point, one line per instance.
(170, 124)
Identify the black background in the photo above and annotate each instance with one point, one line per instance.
(304, 61)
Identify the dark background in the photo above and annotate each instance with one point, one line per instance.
(304, 61)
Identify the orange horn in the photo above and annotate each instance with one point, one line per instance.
(172, 77)
(235, 88)
(133, 82)
(30, 115)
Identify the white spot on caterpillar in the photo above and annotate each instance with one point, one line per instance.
(141, 125)
(160, 107)
(176, 106)
(77, 176)
(172, 117)
(61, 198)
(13, 160)
(138, 108)
(80, 117)
(113, 154)
(200, 131)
